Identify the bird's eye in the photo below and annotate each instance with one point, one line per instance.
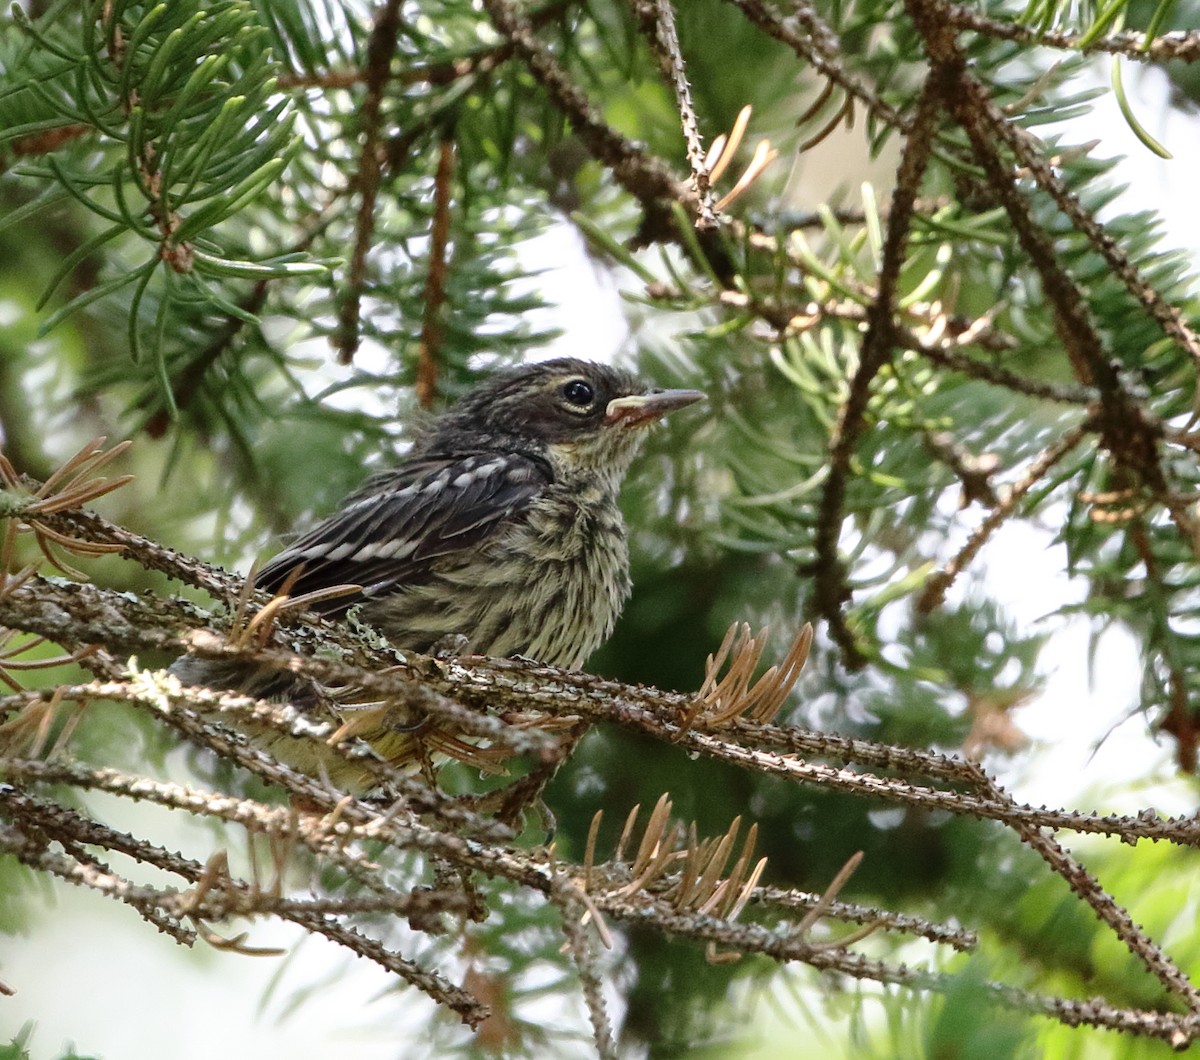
(579, 392)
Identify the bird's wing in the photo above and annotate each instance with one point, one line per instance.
(389, 533)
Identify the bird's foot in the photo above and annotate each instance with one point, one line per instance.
(451, 646)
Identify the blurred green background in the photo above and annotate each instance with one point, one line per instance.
(245, 142)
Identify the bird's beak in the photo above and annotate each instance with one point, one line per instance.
(638, 409)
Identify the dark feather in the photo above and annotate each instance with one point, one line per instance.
(391, 532)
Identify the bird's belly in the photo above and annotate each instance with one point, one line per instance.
(551, 589)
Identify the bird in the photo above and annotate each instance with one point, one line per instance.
(499, 531)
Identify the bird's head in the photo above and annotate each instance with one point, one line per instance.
(586, 418)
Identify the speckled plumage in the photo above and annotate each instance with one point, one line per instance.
(548, 583)
(501, 526)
